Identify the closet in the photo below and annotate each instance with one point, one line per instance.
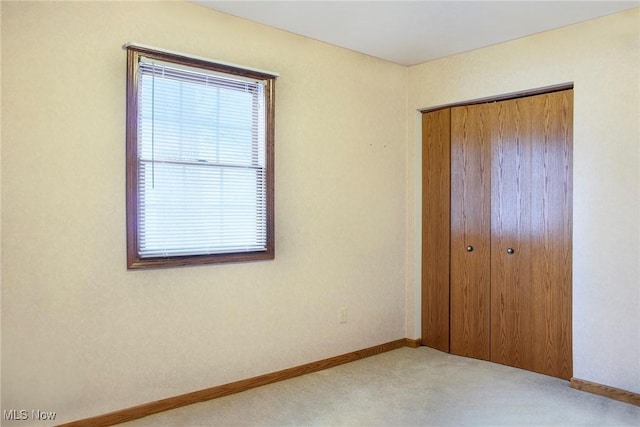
(496, 231)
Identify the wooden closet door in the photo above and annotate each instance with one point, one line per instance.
(531, 234)
(470, 276)
(436, 169)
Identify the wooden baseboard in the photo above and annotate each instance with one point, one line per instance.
(606, 391)
(151, 408)
(414, 343)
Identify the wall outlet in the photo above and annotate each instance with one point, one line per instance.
(343, 314)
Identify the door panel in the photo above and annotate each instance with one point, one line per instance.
(531, 214)
(470, 230)
(551, 234)
(510, 272)
(436, 170)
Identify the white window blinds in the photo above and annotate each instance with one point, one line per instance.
(201, 162)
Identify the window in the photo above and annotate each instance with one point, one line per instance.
(199, 161)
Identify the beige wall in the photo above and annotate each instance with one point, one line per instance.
(601, 58)
(81, 335)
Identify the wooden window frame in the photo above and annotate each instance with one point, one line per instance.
(134, 260)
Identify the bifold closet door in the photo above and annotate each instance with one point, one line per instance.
(531, 234)
(470, 273)
(496, 235)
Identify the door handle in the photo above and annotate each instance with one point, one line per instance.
(510, 251)
(469, 248)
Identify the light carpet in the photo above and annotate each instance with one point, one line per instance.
(408, 387)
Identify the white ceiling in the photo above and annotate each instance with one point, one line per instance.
(412, 32)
